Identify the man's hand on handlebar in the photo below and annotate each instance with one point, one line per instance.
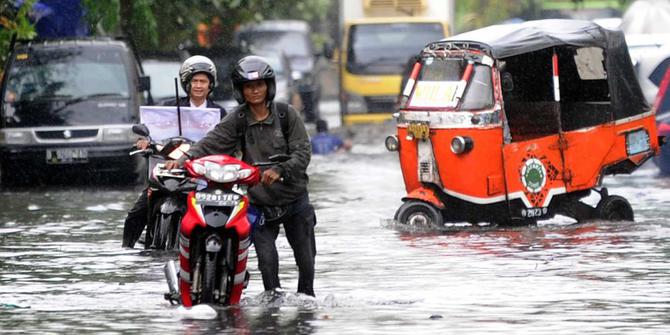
(270, 176)
(142, 143)
(172, 164)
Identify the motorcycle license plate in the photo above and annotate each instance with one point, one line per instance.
(66, 155)
(216, 198)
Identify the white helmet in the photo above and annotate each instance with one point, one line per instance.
(193, 65)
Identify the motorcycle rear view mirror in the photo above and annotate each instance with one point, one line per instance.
(141, 129)
(279, 158)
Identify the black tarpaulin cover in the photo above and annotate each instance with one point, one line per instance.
(505, 41)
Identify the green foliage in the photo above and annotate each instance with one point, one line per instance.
(102, 15)
(14, 22)
(474, 14)
(479, 13)
(164, 25)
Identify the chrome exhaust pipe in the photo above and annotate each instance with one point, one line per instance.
(170, 270)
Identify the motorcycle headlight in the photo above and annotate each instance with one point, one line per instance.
(221, 173)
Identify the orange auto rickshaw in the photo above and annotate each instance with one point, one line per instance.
(515, 123)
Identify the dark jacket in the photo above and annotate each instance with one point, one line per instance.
(262, 140)
(185, 102)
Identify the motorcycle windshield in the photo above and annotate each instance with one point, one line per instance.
(452, 84)
(73, 86)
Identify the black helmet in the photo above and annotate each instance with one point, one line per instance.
(252, 68)
(192, 66)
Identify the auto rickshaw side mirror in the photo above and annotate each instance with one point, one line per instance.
(507, 82)
(502, 66)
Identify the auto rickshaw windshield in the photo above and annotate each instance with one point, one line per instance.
(447, 83)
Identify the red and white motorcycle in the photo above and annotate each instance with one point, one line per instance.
(215, 232)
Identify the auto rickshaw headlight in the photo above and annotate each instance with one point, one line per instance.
(461, 144)
(392, 143)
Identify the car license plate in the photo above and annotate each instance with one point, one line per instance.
(217, 198)
(66, 155)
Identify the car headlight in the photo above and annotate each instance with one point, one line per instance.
(221, 173)
(118, 134)
(16, 136)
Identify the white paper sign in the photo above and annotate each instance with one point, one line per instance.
(195, 122)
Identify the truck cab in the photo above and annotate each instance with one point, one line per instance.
(378, 39)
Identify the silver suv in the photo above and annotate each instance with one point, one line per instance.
(68, 106)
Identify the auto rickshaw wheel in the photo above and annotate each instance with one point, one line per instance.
(614, 208)
(419, 213)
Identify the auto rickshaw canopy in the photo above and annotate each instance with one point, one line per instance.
(506, 41)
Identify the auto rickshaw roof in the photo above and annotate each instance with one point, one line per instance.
(515, 39)
(503, 41)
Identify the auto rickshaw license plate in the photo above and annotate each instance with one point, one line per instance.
(418, 130)
(533, 212)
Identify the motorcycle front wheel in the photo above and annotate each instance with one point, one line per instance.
(208, 278)
(171, 222)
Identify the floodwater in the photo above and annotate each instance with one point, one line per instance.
(62, 269)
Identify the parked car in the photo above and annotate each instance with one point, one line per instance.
(650, 66)
(68, 106)
(644, 44)
(163, 69)
(293, 38)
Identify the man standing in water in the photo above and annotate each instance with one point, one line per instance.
(261, 128)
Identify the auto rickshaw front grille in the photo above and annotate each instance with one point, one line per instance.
(424, 167)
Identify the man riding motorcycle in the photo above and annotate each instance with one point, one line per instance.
(197, 77)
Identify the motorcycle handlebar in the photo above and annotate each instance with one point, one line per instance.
(274, 160)
(142, 151)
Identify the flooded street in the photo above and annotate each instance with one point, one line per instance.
(62, 268)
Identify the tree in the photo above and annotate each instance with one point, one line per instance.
(165, 25)
(14, 22)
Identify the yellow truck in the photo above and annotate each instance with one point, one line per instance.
(378, 37)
